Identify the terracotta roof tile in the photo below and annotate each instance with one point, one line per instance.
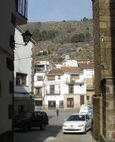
(86, 65)
(71, 69)
(56, 71)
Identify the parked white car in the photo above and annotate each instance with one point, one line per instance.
(86, 109)
(77, 123)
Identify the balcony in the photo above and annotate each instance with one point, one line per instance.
(38, 95)
(38, 84)
(21, 11)
(75, 81)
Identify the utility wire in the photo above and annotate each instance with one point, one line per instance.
(23, 58)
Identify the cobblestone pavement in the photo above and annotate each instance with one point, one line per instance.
(53, 132)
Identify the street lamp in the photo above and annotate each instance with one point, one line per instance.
(26, 38)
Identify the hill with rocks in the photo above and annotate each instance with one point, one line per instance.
(56, 40)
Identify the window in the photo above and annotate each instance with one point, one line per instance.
(39, 68)
(88, 98)
(70, 102)
(38, 91)
(21, 79)
(38, 103)
(71, 88)
(10, 64)
(51, 104)
(39, 78)
(22, 7)
(81, 100)
(12, 42)
(74, 76)
(80, 85)
(52, 89)
(59, 77)
(76, 118)
(10, 111)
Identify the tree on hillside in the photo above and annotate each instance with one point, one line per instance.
(85, 19)
(44, 35)
(78, 38)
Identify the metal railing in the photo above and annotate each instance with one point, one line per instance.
(22, 7)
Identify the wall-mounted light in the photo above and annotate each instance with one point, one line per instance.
(26, 38)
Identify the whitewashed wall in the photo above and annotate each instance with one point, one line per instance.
(23, 62)
(88, 73)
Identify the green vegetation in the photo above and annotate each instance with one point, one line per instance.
(58, 39)
(44, 35)
(78, 38)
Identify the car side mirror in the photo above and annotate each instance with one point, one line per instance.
(87, 117)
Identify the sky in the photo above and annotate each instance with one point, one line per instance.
(58, 10)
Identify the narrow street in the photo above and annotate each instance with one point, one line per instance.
(53, 132)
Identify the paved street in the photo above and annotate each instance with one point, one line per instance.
(53, 132)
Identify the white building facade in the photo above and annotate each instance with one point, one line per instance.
(65, 86)
(22, 73)
(41, 69)
(54, 96)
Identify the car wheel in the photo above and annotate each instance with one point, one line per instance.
(85, 130)
(42, 127)
(26, 127)
(29, 126)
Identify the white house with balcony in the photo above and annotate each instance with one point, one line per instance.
(54, 97)
(41, 69)
(65, 88)
(22, 73)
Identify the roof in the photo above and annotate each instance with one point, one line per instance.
(71, 69)
(56, 71)
(86, 65)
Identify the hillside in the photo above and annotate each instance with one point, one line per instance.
(55, 40)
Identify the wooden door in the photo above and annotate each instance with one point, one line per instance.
(81, 100)
(70, 102)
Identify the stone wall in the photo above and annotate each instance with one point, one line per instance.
(109, 108)
(104, 42)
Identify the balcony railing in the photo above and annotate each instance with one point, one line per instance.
(22, 7)
(55, 94)
(38, 95)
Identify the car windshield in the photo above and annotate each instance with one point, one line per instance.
(76, 118)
